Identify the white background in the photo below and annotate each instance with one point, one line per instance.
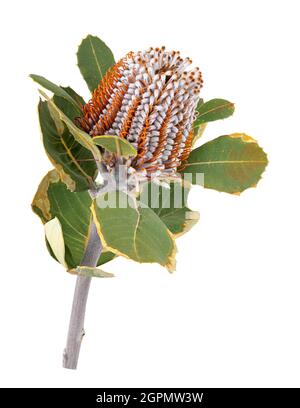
(229, 316)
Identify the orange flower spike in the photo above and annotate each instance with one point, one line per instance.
(148, 98)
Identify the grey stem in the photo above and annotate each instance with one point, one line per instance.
(76, 326)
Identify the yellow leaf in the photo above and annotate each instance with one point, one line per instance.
(54, 235)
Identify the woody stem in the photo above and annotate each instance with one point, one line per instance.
(76, 326)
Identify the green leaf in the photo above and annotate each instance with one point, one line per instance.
(55, 238)
(199, 104)
(214, 109)
(65, 106)
(229, 163)
(115, 144)
(133, 231)
(170, 204)
(78, 98)
(79, 135)
(74, 163)
(94, 59)
(198, 132)
(53, 199)
(58, 91)
(91, 272)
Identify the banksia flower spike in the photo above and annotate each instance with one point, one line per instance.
(148, 98)
(136, 132)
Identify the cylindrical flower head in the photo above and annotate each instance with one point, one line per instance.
(149, 98)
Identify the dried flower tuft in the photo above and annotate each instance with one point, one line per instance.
(149, 98)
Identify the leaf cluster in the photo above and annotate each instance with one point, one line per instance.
(146, 228)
